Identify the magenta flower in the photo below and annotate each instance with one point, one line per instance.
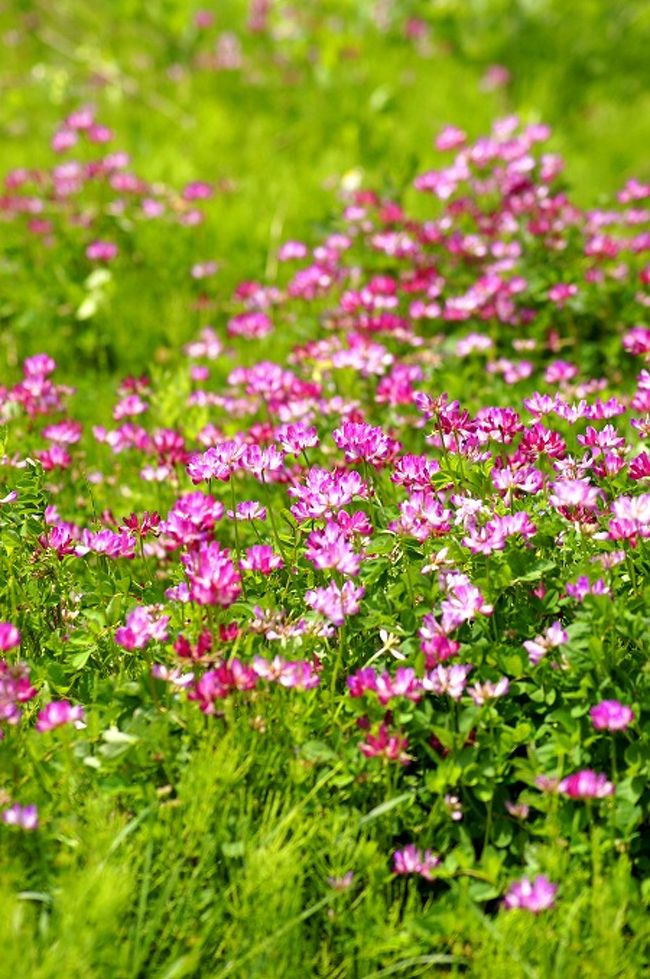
(264, 464)
(192, 519)
(365, 442)
(434, 642)
(198, 190)
(101, 251)
(212, 577)
(203, 19)
(330, 548)
(25, 817)
(15, 689)
(9, 637)
(586, 784)
(422, 516)
(383, 744)
(583, 587)
(144, 624)
(537, 895)
(295, 438)
(325, 492)
(59, 712)
(611, 715)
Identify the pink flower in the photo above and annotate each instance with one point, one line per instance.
(101, 251)
(251, 325)
(292, 250)
(63, 139)
(295, 438)
(639, 467)
(144, 624)
(203, 19)
(262, 558)
(334, 602)
(586, 784)
(325, 492)
(341, 883)
(198, 190)
(203, 270)
(364, 442)
(66, 432)
(403, 684)
(449, 680)
(25, 817)
(611, 715)
(15, 689)
(411, 861)
(583, 587)
(211, 575)
(265, 464)
(106, 542)
(538, 647)
(218, 462)
(390, 747)
(482, 692)
(59, 712)
(450, 138)
(191, 519)
(518, 810)
(561, 292)
(464, 603)
(637, 340)
(570, 493)
(537, 895)
(422, 516)
(330, 548)
(9, 637)
(434, 641)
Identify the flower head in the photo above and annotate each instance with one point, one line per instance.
(536, 895)
(611, 715)
(586, 784)
(59, 712)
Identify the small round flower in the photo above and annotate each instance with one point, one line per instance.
(537, 895)
(59, 712)
(586, 784)
(611, 715)
(101, 251)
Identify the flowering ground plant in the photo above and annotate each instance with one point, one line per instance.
(333, 624)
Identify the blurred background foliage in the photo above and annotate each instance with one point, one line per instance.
(325, 85)
(274, 103)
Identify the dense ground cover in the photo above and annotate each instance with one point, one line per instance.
(323, 622)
